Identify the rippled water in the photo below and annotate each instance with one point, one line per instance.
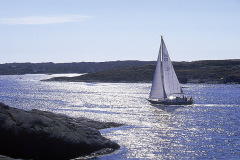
(210, 129)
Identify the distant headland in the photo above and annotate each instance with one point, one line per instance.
(205, 71)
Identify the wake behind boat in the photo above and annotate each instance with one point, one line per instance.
(165, 82)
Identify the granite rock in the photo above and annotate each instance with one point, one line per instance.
(39, 134)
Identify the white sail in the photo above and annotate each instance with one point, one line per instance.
(165, 81)
(157, 91)
(171, 83)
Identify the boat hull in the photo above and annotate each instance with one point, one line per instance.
(171, 102)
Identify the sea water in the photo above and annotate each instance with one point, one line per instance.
(209, 129)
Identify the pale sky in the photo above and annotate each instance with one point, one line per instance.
(110, 30)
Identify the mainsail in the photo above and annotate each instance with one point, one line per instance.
(165, 80)
(157, 91)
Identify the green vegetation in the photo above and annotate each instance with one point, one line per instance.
(129, 74)
(210, 71)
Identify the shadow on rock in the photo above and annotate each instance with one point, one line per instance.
(39, 134)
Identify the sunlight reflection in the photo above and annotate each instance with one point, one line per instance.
(150, 131)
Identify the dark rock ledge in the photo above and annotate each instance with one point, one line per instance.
(39, 134)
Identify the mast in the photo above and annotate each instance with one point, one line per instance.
(162, 68)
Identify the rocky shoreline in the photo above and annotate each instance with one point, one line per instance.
(39, 134)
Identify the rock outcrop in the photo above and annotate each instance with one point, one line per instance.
(39, 134)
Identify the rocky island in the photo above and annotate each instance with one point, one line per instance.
(44, 135)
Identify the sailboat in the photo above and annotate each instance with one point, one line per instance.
(165, 82)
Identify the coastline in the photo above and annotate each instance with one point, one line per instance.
(203, 71)
(208, 72)
(45, 135)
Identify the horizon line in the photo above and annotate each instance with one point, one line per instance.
(121, 60)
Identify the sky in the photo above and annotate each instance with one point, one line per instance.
(62, 31)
